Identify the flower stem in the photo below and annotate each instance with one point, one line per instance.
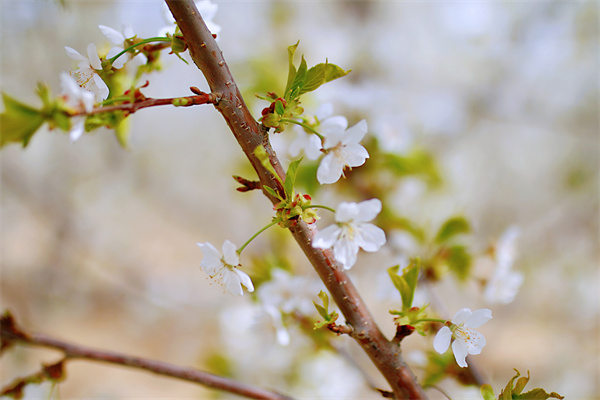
(305, 126)
(145, 41)
(274, 222)
(320, 206)
(442, 321)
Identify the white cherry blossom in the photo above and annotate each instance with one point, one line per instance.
(342, 148)
(87, 73)
(223, 269)
(466, 339)
(207, 10)
(504, 284)
(351, 231)
(118, 39)
(77, 98)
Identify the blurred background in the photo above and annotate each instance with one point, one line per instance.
(99, 242)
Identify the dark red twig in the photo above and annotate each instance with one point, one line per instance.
(130, 108)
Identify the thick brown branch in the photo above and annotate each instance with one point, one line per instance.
(249, 134)
(11, 334)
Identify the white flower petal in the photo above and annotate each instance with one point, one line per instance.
(370, 237)
(347, 212)
(354, 155)
(231, 282)
(461, 316)
(102, 89)
(325, 238)
(459, 349)
(74, 54)
(119, 62)
(244, 279)
(128, 31)
(442, 340)
(369, 209)
(230, 254)
(93, 57)
(330, 169)
(324, 111)
(211, 262)
(77, 129)
(355, 134)
(111, 34)
(334, 126)
(478, 318)
(345, 252)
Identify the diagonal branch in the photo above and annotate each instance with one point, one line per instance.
(11, 334)
(249, 134)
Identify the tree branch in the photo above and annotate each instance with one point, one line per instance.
(249, 134)
(10, 334)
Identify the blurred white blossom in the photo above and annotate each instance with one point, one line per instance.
(207, 10)
(285, 294)
(79, 98)
(504, 284)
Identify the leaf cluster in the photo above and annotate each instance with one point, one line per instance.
(301, 80)
(513, 391)
(328, 318)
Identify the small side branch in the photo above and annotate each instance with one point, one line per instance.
(130, 108)
(11, 334)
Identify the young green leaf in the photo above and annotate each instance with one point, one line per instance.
(452, 227)
(459, 261)
(487, 392)
(290, 179)
(261, 153)
(407, 282)
(18, 122)
(292, 67)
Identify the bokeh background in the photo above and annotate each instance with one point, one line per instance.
(98, 242)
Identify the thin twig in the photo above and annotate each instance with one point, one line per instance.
(11, 334)
(130, 108)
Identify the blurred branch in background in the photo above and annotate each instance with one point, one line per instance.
(11, 334)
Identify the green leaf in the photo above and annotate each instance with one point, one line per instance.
(452, 227)
(279, 109)
(261, 153)
(292, 67)
(298, 82)
(520, 385)
(416, 163)
(18, 122)
(407, 282)
(272, 192)
(487, 392)
(537, 394)
(324, 311)
(315, 77)
(514, 393)
(290, 179)
(333, 72)
(459, 261)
